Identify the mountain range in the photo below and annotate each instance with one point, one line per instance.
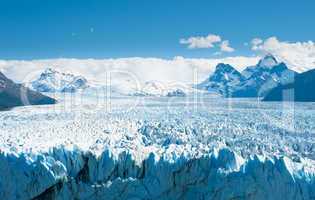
(13, 94)
(265, 79)
(51, 80)
(254, 81)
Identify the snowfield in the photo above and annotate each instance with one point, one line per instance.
(158, 148)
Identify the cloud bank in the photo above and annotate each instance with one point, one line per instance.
(178, 69)
(299, 56)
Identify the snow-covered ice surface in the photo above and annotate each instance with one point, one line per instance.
(158, 148)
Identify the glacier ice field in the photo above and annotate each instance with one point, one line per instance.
(158, 148)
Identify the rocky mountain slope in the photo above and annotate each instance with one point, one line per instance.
(301, 89)
(224, 80)
(259, 79)
(13, 94)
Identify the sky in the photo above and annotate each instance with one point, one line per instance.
(161, 39)
(36, 29)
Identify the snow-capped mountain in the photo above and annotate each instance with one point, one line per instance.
(254, 81)
(224, 80)
(54, 81)
(268, 61)
(152, 88)
(259, 79)
(160, 89)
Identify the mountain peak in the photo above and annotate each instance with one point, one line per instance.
(53, 72)
(223, 80)
(224, 72)
(268, 61)
(224, 67)
(51, 80)
(49, 70)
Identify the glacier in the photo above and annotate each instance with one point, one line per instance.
(159, 148)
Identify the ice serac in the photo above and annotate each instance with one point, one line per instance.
(51, 80)
(27, 176)
(224, 80)
(220, 174)
(13, 94)
(155, 153)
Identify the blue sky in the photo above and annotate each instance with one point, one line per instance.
(36, 29)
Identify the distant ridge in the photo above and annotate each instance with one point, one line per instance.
(301, 89)
(51, 80)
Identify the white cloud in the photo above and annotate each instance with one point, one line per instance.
(178, 69)
(300, 56)
(207, 42)
(225, 46)
(201, 42)
(255, 42)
